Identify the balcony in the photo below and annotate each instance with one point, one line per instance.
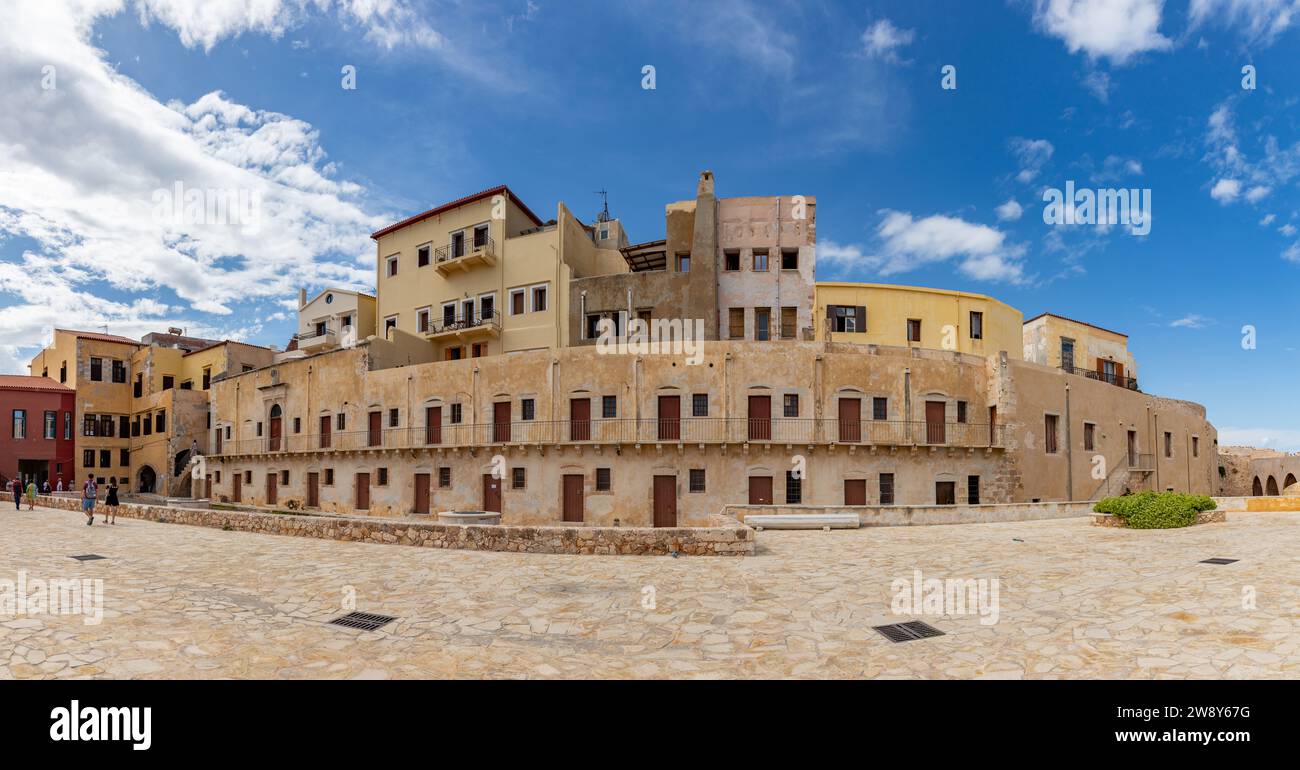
(465, 255)
(649, 431)
(1128, 383)
(313, 341)
(472, 329)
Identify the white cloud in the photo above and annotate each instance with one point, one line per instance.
(1263, 20)
(1276, 166)
(1281, 439)
(1225, 190)
(904, 243)
(1010, 211)
(883, 40)
(1292, 254)
(1258, 193)
(1287, 230)
(1098, 83)
(1190, 321)
(1268, 220)
(1116, 30)
(1032, 155)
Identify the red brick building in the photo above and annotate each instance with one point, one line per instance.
(37, 436)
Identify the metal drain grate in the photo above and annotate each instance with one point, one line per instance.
(907, 632)
(1220, 561)
(89, 557)
(364, 621)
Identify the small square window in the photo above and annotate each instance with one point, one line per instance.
(284, 478)
(341, 421)
(422, 256)
(393, 418)
(392, 266)
(609, 407)
(329, 477)
(961, 411)
(791, 405)
(456, 414)
(603, 482)
(683, 263)
(518, 478)
(731, 261)
(527, 409)
(789, 259)
(381, 477)
(760, 260)
(697, 480)
(700, 405)
(444, 478)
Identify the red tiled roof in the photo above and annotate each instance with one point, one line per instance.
(25, 382)
(101, 337)
(502, 189)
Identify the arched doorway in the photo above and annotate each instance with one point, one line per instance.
(147, 480)
(274, 432)
(1272, 486)
(1290, 479)
(1257, 489)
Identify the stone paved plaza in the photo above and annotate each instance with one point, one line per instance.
(1075, 601)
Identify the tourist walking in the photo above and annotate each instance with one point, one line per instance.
(60, 487)
(88, 493)
(110, 514)
(45, 488)
(17, 488)
(31, 494)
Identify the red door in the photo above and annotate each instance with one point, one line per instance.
(272, 488)
(934, 422)
(363, 491)
(376, 429)
(760, 490)
(501, 422)
(491, 493)
(207, 486)
(855, 491)
(573, 489)
(580, 419)
(670, 418)
(433, 425)
(325, 425)
(313, 490)
(421, 493)
(665, 501)
(275, 434)
(237, 496)
(850, 420)
(760, 418)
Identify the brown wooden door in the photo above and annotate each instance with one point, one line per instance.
(993, 426)
(670, 418)
(421, 493)
(760, 418)
(275, 429)
(945, 493)
(491, 493)
(313, 490)
(375, 438)
(237, 496)
(363, 492)
(850, 420)
(326, 424)
(573, 490)
(934, 421)
(855, 491)
(1132, 449)
(580, 419)
(433, 425)
(665, 501)
(207, 486)
(501, 422)
(272, 488)
(218, 441)
(760, 490)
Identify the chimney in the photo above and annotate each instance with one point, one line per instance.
(302, 298)
(706, 185)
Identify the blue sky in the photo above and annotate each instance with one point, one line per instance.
(915, 184)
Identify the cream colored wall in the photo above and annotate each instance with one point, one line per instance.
(1041, 340)
(889, 308)
(746, 224)
(359, 306)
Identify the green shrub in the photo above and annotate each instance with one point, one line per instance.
(1156, 510)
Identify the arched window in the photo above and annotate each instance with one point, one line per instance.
(1272, 486)
(1256, 489)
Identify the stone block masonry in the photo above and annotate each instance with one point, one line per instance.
(722, 537)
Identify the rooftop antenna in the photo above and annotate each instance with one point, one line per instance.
(603, 216)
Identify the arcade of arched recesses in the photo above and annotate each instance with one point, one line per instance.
(1270, 487)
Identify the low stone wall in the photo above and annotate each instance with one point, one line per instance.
(1204, 517)
(1276, 503)
(924, 515)
(722, 537)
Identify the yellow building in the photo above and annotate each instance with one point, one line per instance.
(1080, 348)
(911, 316)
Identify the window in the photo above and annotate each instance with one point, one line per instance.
(444, 478)
(124, 458)
(879, 408)
(518, 478)
(51, 424)
(138, 388)
(760, 260)
(106, 425)
(381, 477)
(88, 458)
(297, 425)
(1089, 436)
(593, 325)
(609, 407)
(259, 429)
(422, 320)
(487, 307)
(539, 299)
(97, 369)
(886, 489)
(329, 477)
(961, 411)
(227, 432)
(972, 490)
(789, 259)
(480, 236)
(422, 256)
(1169, 444)
(1067, 354)
(793, 488)
(847, 318)
(762, 317)
(169, 382)
(20, 423)
(603, 481)
(89, 425)
(161, 424)
(187, 385)
(479, 349)
(696, 480)
(1049, 430)
(913, 330)
(389, 324)
(790, 407)
(105, 458)
(455, 414)
(1196, 447)
(218, 477)
(246, 368)
(119, 372)
(63, 373)
(736, 323)
(700, 405)
(146, 425)
(683, 263)
(340, 420)
(393, 418)
(67, 425)
(789, 322)
(454, 353)
(731, 261)
(527, 409)
(448, 314)
(392, 266)
(976, 325)
(516, 302)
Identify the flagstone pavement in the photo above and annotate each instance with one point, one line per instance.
(1075, 601)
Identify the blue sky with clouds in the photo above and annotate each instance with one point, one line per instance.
(916, 184)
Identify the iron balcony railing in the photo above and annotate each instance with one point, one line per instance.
(1129, 383)
(486, 321)
(652, 430)
(483, 245)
